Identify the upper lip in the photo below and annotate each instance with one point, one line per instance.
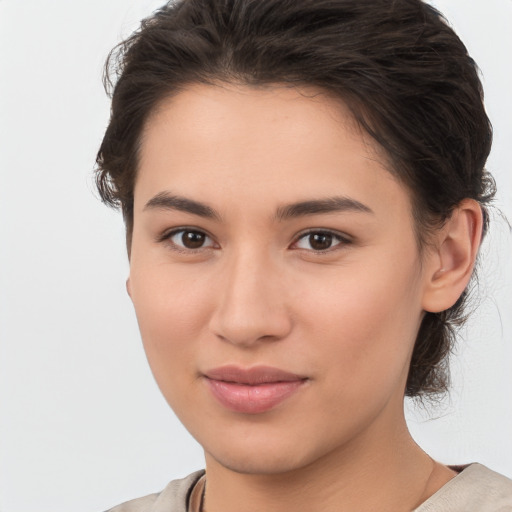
(251, 376)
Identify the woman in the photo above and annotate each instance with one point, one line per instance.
(304, 193)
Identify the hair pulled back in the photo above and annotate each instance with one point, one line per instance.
(399, 67)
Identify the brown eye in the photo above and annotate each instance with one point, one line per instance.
(318, 241)
(190, 239)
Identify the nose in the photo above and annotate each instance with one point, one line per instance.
(252, 306)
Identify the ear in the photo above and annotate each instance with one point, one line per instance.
(450, 265)
(128, 288)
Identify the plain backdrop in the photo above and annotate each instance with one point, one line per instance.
(82, 424)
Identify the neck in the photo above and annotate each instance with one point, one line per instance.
(382, 469)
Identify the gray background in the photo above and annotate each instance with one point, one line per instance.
(82, 424)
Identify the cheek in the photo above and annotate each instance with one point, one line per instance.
(365, 324)
(172, 309)
(354, 327)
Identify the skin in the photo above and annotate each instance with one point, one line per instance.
(257, 292)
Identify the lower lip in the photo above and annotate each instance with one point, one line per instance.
(252, 399)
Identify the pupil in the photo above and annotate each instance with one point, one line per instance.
(320, 241)
(192, 239)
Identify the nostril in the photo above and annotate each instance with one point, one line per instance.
(249, 329)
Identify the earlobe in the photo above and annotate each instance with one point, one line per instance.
(451, 263)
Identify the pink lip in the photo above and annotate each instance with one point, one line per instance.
(253, 390)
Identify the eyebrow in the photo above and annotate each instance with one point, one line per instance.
(167, 201)
(318, 206)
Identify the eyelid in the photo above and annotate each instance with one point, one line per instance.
(166, 236)
(342, 238)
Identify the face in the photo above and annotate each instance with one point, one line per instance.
(274, 273)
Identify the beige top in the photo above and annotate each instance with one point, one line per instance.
(474, 489)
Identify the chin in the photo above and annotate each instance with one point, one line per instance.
(265, 455)
(260, 464)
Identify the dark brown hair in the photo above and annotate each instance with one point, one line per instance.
(399, 67)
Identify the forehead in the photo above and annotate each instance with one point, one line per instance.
(207, 111)
(241, 144)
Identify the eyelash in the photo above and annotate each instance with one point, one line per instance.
(340, 238)
(167, 237)
(335, 236)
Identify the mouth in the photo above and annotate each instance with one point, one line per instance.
(253, 390)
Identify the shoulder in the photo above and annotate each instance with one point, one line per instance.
(137, 505)
(172, 499)
(475, 488)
